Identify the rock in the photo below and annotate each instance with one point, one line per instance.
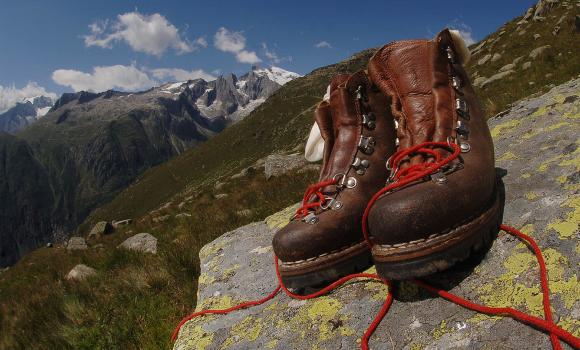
(526, 65)
(181, 205)
(101, 228)
(98, 246)
(496, 56)
(220, 195)
(497, 76)
(244, 212)
(509, 66)
(484, 60)
(141, 242)
(80, 272)
(556, 30)
(160, 219)
(278, 164)
(218, 185)
(183, 215)
(537, 36)
(517, 60)
(549, 75)
(49, 245)
(543, 7)
(541, 199)
(76, 243)
(522, 32)
(528, 14)
(121, 223)
(538, 51)
(477, 82)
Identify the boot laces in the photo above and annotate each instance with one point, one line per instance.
(314, 198)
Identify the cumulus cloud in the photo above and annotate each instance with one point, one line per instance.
(235, 42)
(152, 34)
(10, 95)
(181, 74)
(464, 30)
(323, 45)
(127, 78)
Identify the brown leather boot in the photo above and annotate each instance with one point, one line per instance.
(436, 221)
(323, 241)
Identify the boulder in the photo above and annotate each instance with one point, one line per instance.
(526, 65)
(220, 195)
(536, 145)
(496, 56)
(76, 243)
(537, 36)
(278, 164)
(484, 60)
(509, 66)
(535, 53)
(121, 223)
(141, 242)
(477, 82)
(161, 218)
(80, 272)
(101, 228)
(497, 76)
(183, 215)
(517, 60)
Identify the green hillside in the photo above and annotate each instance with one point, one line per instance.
(134, 300)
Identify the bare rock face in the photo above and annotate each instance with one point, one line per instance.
(80, 272)
(76, 243)
(141, 242)
(536, 144)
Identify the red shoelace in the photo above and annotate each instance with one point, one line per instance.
(404, 177)
(314, 190)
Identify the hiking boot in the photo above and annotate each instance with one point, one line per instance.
(439, 219)
(323, 241)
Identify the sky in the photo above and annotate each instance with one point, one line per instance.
(51, 47)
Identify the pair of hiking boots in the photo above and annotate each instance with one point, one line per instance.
(412, 115)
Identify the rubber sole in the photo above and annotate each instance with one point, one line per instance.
(439, 252)
(327, 268)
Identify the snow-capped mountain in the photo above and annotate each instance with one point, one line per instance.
(228, 96)
(25, 113)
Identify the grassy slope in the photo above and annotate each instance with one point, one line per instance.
(136, 299)
(555, 66)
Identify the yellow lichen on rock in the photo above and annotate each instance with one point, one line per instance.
(281, 218)
(569, 226)
(506, 290)
(504, 128)
(193, 337)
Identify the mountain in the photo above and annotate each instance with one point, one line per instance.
(134, 300)
(89, 146)
(25, 113)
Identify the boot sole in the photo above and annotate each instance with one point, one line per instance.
(327, 268)
(439, 252)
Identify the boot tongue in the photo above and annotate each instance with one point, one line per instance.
(416, 75)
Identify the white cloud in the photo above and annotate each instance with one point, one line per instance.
(128, 78)
(464, 30)
(10, 95)
(323, 44)
(181, 74)
(152, 34)
(234, 42)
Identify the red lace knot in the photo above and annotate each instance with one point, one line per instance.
(433, 162)
(314, 198)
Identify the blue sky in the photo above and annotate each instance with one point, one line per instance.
(58, 45)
